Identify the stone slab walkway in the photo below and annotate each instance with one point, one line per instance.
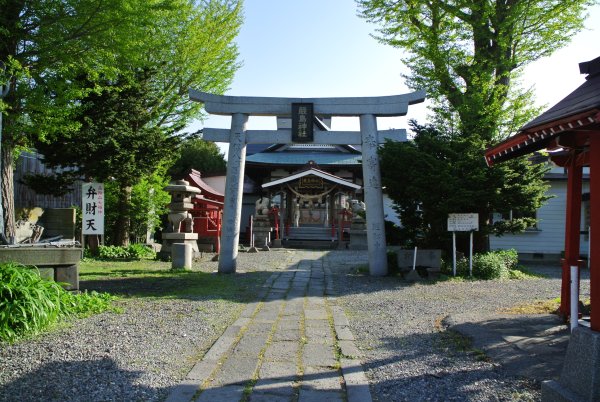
(294, 346)
(531, 346)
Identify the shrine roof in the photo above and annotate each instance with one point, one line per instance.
(301, 158)
(314, 172)
(207, 191)
(584, 98)
(580, 110)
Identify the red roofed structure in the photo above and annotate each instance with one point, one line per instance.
(570, 131)
(207, 211)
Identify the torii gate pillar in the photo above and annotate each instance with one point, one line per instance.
(368, 108)
(232, 209)
(373, 196)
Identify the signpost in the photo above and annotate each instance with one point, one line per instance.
(92, 208)
(463, 223)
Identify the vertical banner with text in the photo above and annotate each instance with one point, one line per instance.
(302, 122)
(92, 208)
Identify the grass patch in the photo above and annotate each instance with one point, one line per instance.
(535, 307)
(521, 272)
(30, 304)
(156, 279)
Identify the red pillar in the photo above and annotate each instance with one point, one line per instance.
(594, 154)
(572, 231)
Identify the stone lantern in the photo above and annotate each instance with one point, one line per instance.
(181, 223)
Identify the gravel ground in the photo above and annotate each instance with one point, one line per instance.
(140, 354)
(136, 355)
(409, 356)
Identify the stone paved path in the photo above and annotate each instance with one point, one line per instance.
(294, 345)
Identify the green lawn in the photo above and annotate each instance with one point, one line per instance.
(148, 278)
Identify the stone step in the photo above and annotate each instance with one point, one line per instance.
(310, 233)
(310, 244)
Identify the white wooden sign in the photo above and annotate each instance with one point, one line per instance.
(463, 222)
(92, 208)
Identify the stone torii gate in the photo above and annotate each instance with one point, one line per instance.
(367, 108)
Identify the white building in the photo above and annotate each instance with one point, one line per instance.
(545, 242)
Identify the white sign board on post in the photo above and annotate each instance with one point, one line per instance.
(92, 208)
(462, 223)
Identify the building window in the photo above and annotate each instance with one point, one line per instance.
(512, 215)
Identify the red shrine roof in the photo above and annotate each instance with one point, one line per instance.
(579, 112)
(207, 192)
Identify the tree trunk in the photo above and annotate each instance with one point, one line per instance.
(8, 195)
(123, 222)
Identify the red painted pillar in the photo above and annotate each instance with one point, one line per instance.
(572, 231)
(594, 154)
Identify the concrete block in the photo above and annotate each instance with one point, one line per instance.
(181, 256)
(46, 273)
(580, 377)
(68, 274)
(41, 256)
(431, 258)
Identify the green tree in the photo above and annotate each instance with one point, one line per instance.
(469, 55)
(148, 203)
(61, 53)
(126, 119)
(116, 141)
(195, 153)
(45, 44)
(436, 174)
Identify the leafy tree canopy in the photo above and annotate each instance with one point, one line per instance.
(437, 174)
(195, 153)
(468, 54)
(115, 109)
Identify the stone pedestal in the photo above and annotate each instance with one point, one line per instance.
(580, 377)
(186, 238)
(261, 229)
(60, 264)
(181, 256)
(358, 234)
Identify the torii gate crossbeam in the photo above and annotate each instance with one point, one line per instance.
(367, 108)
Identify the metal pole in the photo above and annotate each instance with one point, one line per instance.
(574, 297)
(453, 253)
(415, 259)
(471, 254)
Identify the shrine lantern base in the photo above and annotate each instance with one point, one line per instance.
(170, 238)
(580, 377)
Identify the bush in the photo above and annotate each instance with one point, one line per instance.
(131, 252)
(489, 265)
(510, 258)
(28, 303)
(462, 267)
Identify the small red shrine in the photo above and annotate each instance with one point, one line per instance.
(570, 131)
(207, 211)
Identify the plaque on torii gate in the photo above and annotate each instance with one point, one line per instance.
(367, 108)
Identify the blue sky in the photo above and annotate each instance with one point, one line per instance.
(321, 48)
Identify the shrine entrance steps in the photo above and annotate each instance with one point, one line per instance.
(311, 237)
